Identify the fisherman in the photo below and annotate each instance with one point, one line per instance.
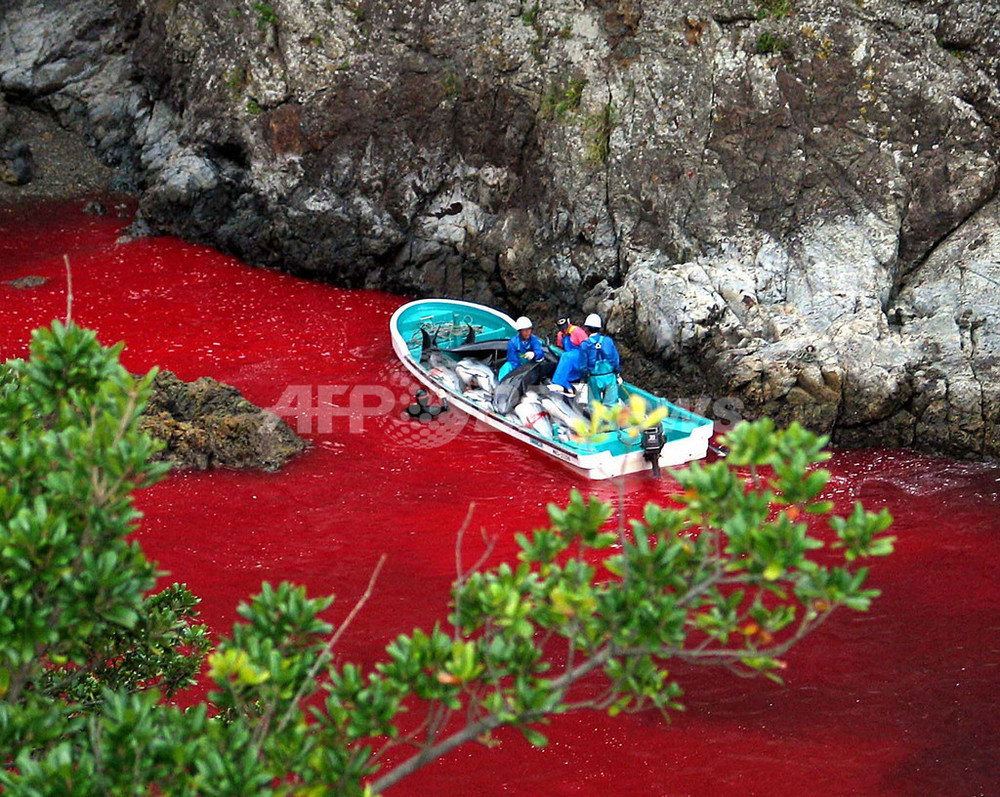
(524, 347)
(600, 363)
(568, 370)
(570, 335)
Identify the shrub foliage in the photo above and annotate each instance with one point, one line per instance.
(730, 575)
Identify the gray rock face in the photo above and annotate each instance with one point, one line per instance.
(796, 200)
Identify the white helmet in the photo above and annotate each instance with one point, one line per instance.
(523, 323)
(593, 321)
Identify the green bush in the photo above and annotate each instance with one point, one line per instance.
(265, 15)
(562, 97)
(76, 620)
(769, 43)
(728, 576)
(773, 9)
(597, 128)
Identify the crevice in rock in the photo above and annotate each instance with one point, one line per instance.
(903, 274)
(973, 344)
(696, 190)
(970, 325)
(710, 130)
(233, 152)
(732, 18)
(614, 280)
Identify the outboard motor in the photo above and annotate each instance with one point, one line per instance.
(653, 441)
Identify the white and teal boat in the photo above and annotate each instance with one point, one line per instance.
(454, 348)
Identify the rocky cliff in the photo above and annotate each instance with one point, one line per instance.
(791, 202)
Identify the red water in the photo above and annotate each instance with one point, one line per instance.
(899, 701)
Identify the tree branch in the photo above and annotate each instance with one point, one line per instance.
(69, 291)
(324, 655)
(486, 724)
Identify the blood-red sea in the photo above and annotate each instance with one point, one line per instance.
(901, 700)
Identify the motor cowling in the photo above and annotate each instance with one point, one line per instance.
(653, 441)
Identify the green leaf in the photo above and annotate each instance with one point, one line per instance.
(534, 737)
(773, 571)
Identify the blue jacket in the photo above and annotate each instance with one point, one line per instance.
(517, 348)
(599, 355)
